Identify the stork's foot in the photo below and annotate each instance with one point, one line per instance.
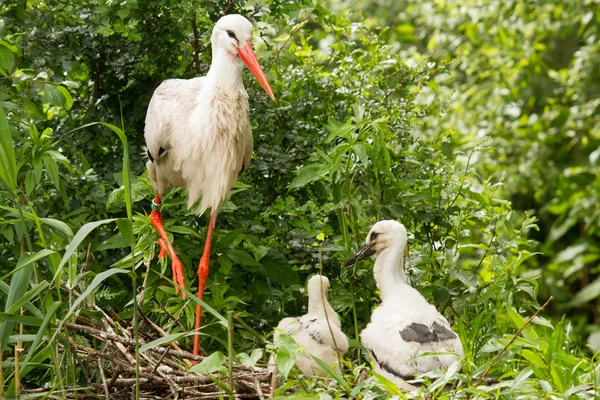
(178, 275)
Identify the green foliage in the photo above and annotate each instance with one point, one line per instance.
(471, 124)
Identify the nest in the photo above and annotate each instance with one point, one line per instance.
(110, 371)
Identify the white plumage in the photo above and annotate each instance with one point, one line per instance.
(198, 136)
(312, 332)
(404, 325)
(202, 124)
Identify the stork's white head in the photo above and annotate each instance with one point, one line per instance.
(233, 35)
(230, 33)
(383, 235)
(317, 283)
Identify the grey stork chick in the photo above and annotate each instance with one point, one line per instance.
(404, 325)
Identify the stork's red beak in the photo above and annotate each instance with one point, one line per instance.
(249, 58)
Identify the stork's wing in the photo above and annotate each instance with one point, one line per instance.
(321, 332)
(289, 326)
(172, 102)
(422, 333)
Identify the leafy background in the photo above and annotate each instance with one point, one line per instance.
(473, 123)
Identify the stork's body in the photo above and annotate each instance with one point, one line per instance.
(318, 331)
(198, 135)
(404, 325)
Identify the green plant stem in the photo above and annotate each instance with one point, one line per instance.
(38, 276)
(1, 375)
(230, 348)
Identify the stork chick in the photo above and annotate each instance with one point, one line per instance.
(198, 136)
(404, 325)
(312, 332)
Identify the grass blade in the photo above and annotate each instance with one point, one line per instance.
(81, 234)
(162, 340)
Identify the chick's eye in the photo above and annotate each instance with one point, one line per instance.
(231, 35)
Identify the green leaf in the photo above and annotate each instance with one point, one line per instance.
(250, 360)
(7, 59)
(278, 268)
(361, 153)
(287, 349)
(225, 264)
(52, 171)
(81, 234)
(333, 374)
(48, 317)
(58, 225)
(19, 319)
(242, 258)
(28, 296)
(306, 175)
(212, 363)
(126, 230)
(126, 169)
(53, 96)
(67, 96)
(285, 361)
(18, 287)
(589, 292)
(98, 279)
(8, 165)
(532, 357)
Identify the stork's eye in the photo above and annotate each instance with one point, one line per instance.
(373, 236)
(231, 35)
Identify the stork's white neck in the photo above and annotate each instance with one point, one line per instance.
(225, 73)
(315, 306)
(389, 270)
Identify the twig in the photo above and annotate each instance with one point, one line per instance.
(106, 391)
(119, 345)
(163, 333)
(104, 336)
(175, 320)
(259, 391)
(160, 361)
(87, 259)
(116, 374)
(513, 338)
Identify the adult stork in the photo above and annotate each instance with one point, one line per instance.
(198, 136)
(404, 325)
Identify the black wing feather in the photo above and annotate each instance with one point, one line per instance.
(421, 333)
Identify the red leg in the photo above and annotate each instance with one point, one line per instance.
(165, 245)
(202, 274)
(163, 248)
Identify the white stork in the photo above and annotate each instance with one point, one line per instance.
(404, 325)
(313, 332)
(198, 136)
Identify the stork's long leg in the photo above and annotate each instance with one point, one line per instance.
(202, 274)
(165, 245)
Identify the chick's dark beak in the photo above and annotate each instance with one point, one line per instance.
(365, 251)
